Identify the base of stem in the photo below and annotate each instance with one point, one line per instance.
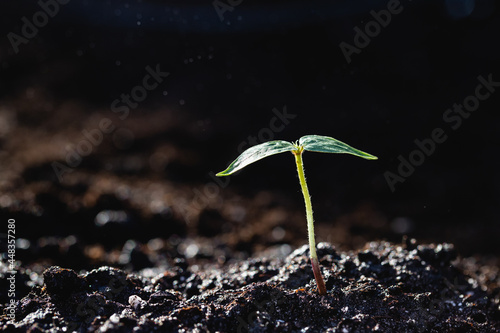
(317, 275)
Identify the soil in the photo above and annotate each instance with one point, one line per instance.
(384, 287)
(120, 245)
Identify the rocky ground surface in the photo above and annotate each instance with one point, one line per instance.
(383, 287)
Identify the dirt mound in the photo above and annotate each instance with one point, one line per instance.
(384, 287)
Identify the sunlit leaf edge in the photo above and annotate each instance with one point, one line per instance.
(257, 153)
(326, 144)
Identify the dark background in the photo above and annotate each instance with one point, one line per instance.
(225, 79)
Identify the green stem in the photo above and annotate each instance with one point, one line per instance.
(310, 222)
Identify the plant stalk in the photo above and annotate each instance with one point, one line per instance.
(310, 222)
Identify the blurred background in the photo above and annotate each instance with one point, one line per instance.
(115, 115)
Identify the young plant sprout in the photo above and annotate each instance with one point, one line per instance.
(317, 143)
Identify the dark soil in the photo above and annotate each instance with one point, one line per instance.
(384, 287)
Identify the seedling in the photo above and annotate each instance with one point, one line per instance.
(317, 143)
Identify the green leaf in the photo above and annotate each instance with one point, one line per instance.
(256, 153)
(326, 144)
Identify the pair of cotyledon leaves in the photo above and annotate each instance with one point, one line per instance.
(317, 143)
